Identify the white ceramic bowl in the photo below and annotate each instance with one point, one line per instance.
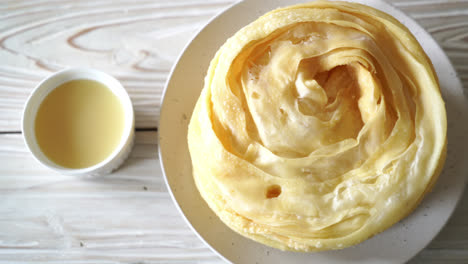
(116, 158)
(395, 245)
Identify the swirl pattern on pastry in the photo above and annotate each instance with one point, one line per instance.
(319, 126)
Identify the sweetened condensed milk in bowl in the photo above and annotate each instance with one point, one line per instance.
(79, 121)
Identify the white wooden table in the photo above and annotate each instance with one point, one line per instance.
(128, 216)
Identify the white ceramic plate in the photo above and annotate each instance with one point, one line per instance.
(395, 245)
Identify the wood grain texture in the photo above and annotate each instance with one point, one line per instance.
(128, 217)
(136, 41)
(447, 22)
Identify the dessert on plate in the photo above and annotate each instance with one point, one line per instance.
(319, 126)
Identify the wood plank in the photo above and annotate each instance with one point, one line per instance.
(136, 41)
(125, 216)
(441, 256)
(447, 22)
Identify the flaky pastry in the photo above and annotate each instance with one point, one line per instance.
(319, 126)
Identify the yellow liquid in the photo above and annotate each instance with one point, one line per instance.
(79, 124)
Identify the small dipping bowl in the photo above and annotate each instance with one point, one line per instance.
(124, 146)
